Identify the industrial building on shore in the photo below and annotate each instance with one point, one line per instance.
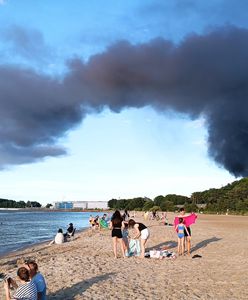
(81, 205)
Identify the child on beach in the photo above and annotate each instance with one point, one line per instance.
(125, 238)
(180, 228)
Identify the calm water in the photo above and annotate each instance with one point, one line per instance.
(20, 229)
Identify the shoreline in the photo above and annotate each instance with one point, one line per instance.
(33, 245)
(85, 268)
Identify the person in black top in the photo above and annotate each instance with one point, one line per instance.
(116, 225)
(142, 231)
(69, 231)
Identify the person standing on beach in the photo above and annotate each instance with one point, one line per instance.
(180, 229)
(142, 232)
(117, 224)
(187, 233)
(38, 279)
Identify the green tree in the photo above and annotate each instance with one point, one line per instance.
(112, 203)
(167, 206)
(157, 200)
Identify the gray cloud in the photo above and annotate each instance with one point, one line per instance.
(203, 75)
(22, 43)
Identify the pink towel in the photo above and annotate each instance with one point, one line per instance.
(188, 220)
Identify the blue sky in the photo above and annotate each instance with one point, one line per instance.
(124, 153)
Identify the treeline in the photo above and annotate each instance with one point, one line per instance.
(230, 198)
(6, 203)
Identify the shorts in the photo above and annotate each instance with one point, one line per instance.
(144, 234)
(117, 233)
(189, 231)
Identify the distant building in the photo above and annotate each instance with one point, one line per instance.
(81, 205)
(63, 205)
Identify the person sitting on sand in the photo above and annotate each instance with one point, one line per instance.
(26, 289)
(142, 231)
(37, 278)
(116, 224)
(59, 238)
(180, 228)
(70, 230)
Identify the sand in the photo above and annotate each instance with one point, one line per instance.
(85, 268)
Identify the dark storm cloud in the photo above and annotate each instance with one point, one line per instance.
(203, 75)
(35, 112)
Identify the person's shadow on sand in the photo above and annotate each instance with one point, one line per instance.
(204, 243)
(78, 288)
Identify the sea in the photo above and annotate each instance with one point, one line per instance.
(20, 229)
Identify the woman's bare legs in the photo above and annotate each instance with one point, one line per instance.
(115, 239)
(122, 247)
(115, 246)
(188, 244)
(143, 243)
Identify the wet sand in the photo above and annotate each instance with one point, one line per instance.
(85, 268)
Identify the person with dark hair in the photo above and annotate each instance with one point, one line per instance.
(142, 232)
(69, 231)
(187, 233)
(26, 290)
(37, 278)
(59, 238)
(125, 215)
(116, 224)
(180, 229)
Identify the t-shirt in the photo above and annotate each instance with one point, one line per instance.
(59, 238)
(40, 283)
(141, 226)
(26, 291)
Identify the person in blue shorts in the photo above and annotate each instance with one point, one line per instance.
(181, 229)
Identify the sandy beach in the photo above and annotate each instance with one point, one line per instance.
(85, 268)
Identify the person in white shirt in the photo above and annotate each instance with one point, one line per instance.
(59, 238)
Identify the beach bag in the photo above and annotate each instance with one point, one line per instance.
(134, 248)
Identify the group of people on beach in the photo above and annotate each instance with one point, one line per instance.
(98, 222)
(125, 230)
(121, 227)
(31, 283)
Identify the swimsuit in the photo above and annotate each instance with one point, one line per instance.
(180, 234)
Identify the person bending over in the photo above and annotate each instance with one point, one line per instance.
(141, 231)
